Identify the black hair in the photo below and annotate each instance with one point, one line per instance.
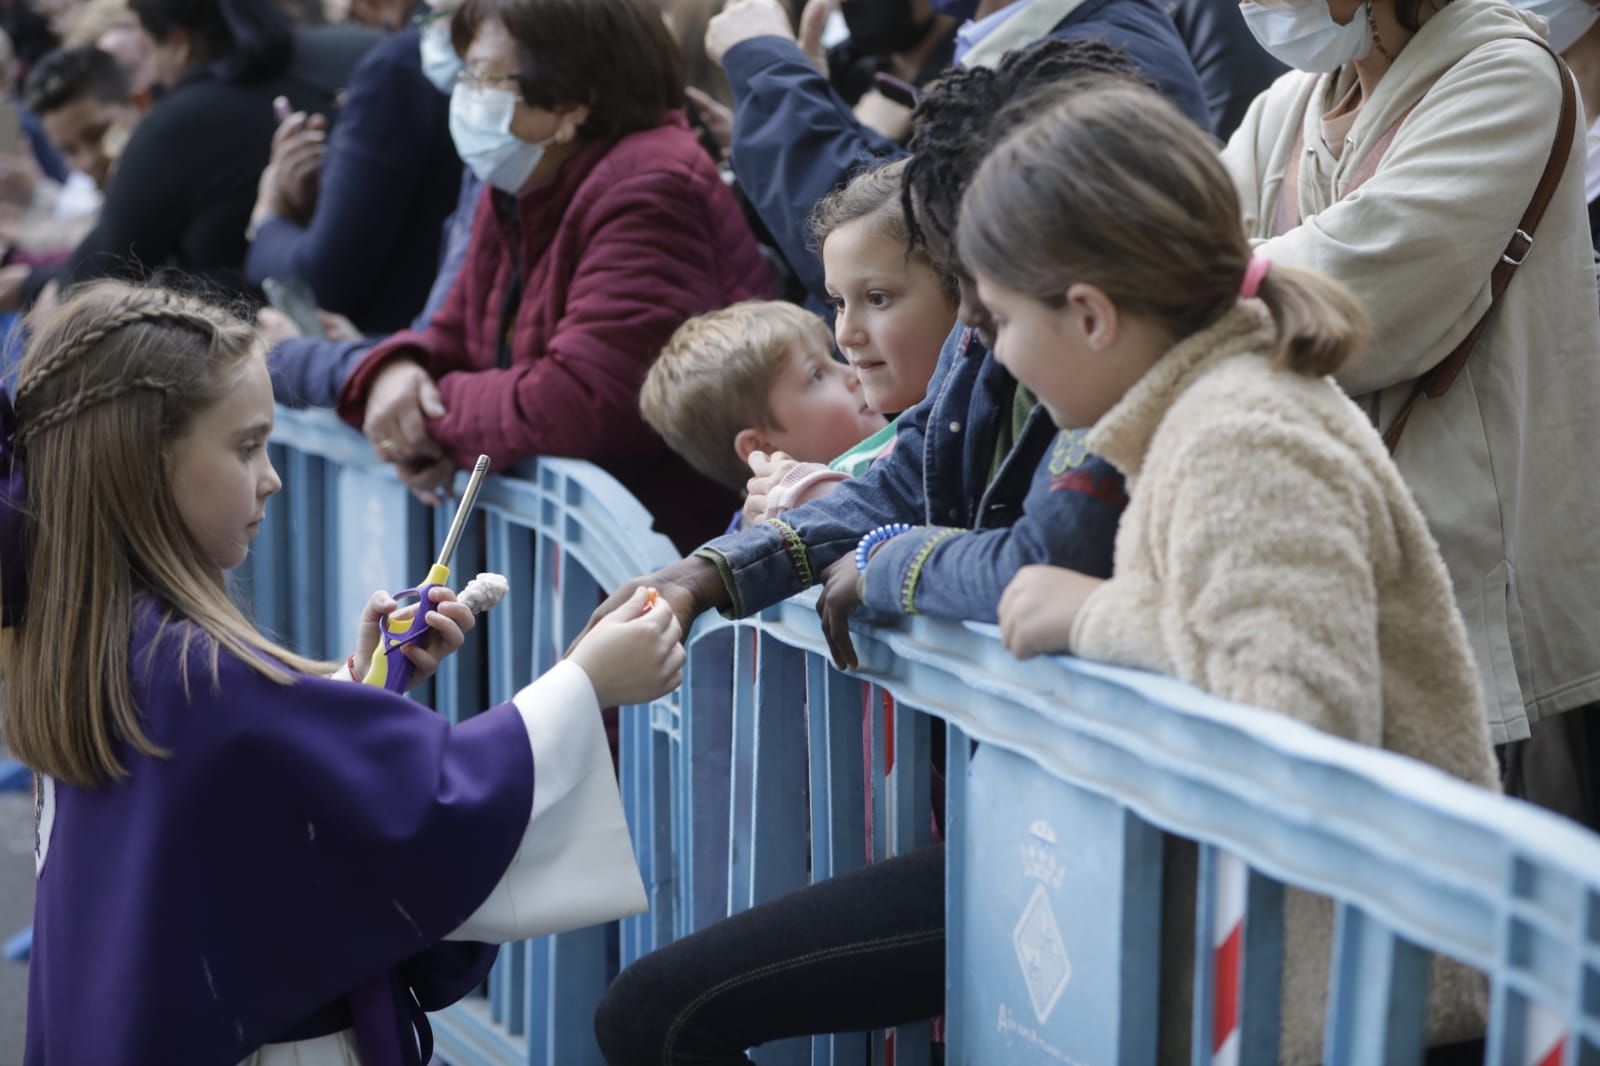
(615, 56)
(244, 40)
(968, 111)
(70, 74)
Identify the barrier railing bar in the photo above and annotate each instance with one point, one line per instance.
(1378, 1002)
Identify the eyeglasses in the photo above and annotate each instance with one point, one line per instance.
(471, 80)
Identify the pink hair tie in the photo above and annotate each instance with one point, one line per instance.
(1254, 275)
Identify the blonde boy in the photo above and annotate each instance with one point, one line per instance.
(755, 377)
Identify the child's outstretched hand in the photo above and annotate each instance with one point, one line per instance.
(1039, 608)
(449, 618)
(633, 655)
(766, 471)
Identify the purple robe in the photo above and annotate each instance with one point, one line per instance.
(300, 844)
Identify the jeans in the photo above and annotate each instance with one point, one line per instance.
(861, 951)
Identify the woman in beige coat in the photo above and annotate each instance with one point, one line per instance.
(1270, 552)
(1404, 174)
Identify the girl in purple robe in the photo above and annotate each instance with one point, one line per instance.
(240, 857)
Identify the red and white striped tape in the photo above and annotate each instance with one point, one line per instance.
(1227, 947)
(1546, 1041)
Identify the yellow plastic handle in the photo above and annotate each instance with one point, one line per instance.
(378, 672)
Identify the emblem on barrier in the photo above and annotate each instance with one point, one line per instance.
(1041, 954)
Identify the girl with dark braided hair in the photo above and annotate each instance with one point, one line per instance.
(984, 484)
(242, 860)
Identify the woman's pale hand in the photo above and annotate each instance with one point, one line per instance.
(745, 20)
(1039, 608)
(337, 327)
(767, 471)
(634, 654)
(449, 618)
(813, 21)
(401, 400)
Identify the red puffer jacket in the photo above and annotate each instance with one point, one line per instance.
(633, 236)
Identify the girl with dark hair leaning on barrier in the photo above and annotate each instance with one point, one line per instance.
(1270, 552)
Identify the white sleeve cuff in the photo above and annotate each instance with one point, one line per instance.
(575, 865)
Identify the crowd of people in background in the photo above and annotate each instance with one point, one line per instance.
(1254, 342)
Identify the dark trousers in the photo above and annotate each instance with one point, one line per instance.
(857, 952)
(1558, 768)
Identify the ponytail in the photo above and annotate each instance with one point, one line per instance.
(1320, 325)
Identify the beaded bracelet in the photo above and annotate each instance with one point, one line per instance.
(877, 537)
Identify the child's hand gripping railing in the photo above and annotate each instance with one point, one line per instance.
(390, 668)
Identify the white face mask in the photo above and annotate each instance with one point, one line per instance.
(1306, 37)
(480, 125)
(1568, 19)
(440, 64)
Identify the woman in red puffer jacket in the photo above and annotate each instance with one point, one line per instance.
(603, 226)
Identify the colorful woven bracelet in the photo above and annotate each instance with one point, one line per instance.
(908, 585)
(877, 537)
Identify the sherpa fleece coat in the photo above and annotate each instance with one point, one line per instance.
(1270, 554)
(1504, 464)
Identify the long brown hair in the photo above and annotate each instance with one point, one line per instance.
(1113, 187)
(108, 383)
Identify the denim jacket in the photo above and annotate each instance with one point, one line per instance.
(1051, 502)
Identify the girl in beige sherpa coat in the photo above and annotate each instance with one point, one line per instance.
(1270, 552)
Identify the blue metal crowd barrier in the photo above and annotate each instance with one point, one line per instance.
(770, 769)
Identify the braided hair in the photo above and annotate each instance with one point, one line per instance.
(110, 383)
(969, 110)
(41, 405)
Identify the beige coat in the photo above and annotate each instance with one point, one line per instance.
(1506, 466)
(1270, 554)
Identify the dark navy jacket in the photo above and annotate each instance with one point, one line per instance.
(795, 140)
(1234, 69)
(389, 179)
(1051, 502)
(310, 371)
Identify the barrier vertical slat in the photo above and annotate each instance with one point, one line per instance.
(1262, 976)
(703, 775)
(779, 813)
(537, 966)
(1377, 1003)
(1206, 892)
(633, 782)
(305, 525)
(880, 727)
(274, 566)
(742, 773)
(510, 625)
(821, 791)
(657, 749)
(913, 822)
(957, 761)
(577, 968)
(913, 828)
(838, 808)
